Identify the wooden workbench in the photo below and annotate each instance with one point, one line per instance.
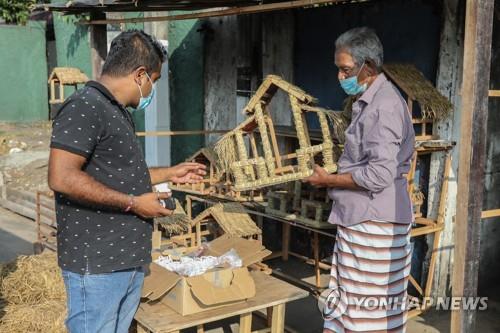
(271, 294)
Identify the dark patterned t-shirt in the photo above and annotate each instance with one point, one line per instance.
(91, 123)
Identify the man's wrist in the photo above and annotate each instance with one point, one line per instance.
(130, 204)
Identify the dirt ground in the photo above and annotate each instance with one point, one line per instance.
(24, 151)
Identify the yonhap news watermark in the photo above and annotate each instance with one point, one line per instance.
(332, 303)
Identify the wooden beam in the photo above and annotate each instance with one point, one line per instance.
(217, 12)
(177, 133)
(98, 45)
(494, 93)
(485, 214)
(472, 157)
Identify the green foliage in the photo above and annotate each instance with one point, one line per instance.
(17, 11)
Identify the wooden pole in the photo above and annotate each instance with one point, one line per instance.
(472, 156)
(216, 12)
(98, 44)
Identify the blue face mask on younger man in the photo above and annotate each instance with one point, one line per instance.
(351, 85)
(145, 101)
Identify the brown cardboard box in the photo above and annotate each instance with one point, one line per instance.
(213, 289)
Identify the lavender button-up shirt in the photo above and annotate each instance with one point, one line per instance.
(378, 150)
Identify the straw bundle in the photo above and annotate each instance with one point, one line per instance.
(177, 223)
(341, 120)
(32, 280)
(43, 318)
(226, 152)
(234, 220)
(433, 105)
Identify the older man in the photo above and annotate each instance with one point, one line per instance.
(371, 205)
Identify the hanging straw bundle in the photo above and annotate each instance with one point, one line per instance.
(226, 152)
(341, 120)
(433, 105)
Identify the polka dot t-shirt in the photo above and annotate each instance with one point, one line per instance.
(93, 240)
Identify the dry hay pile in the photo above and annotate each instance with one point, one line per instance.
(44, 317)
(32, 294)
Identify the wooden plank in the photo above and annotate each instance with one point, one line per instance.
(432, 264)
(272, 134)
(215, 13)
(444, 189)
(98, 44)
(416, 285)
(269, 292)
(310, 261)
(494, 93)
(485, 214)
(425, 230)
(472, 157)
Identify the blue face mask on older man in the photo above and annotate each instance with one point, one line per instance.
(351, 85)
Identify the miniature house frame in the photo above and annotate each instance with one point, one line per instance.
(248, 158)
(251, 170)
(425, 102)
(64, 76)
(207, 157)
(228, 218)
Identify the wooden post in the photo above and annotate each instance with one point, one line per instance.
(285, 241)
(473, 120)
(53, 91)
(98, 44)
(317, 271)
(61, 92)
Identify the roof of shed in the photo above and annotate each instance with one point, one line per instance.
(85, 6)
(82, 6)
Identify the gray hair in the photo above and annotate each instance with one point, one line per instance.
(362, 44)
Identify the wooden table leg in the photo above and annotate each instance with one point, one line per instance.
(269, 311)
(285, 241)
(156, 237)
(246, 323)
(278, 319)
(199, 329)
(317, 270)
(260, 224)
